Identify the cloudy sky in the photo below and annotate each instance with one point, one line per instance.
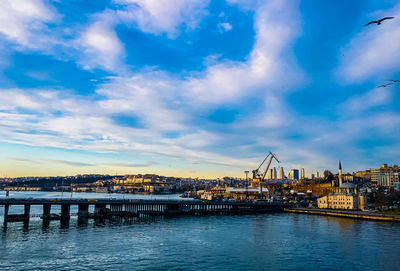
(196, 88)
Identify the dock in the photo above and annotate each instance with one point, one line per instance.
(346, 213)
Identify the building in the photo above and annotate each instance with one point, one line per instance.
(270, 174)
(316, 174)
(382, 176)
(294, 174)
(365, 175)
(236, 193)
(387, 179)
(374, 176)
(303, 173)
(22, 188)
(346, 196)
(281, 173)
(343, 200)
(396, 183)
(348, 177)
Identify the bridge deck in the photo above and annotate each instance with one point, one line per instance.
(28, 201)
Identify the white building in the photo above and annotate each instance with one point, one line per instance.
(387, 179)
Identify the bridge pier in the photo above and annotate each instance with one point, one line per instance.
(46, 211)
(65, 211)
(6, 209)
(83, 211)
(18, 217)
(64, 223)
(45, 223)
(27, 211)
(99, 210)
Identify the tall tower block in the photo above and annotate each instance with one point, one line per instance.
(281, 173)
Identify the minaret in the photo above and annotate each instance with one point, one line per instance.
(340, 173)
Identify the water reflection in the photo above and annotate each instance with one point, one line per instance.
(343, 223)
(47, 225)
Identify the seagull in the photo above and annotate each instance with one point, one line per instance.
(396, 81)
(385, 85)
(378, 22)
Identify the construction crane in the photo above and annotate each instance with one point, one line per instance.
(260, 178)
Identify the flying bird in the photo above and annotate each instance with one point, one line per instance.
(396, 81)
(385, 85)
(378, 22)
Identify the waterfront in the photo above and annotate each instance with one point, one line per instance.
(247, 242)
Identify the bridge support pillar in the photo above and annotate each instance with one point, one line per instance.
(46, 210)
(83, 210)
(99, 209)
(27, 211)
(6, 208)
(83, 213)
(65, 211)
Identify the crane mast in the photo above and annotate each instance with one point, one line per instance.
(261, 178)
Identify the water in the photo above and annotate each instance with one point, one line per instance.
(248, 242)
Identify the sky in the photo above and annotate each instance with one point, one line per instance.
(197, 88)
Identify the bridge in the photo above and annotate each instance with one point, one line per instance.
(106, 208)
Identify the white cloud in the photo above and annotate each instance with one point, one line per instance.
(104, 49)
(11, 99)
(375, 51)
(270, 62)
(224, 27)
(163, 16)
(152, 97)
(121, 164)
(23, 21)
(371, 99)
(102, 46)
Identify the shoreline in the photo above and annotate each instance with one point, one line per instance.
(364, 215)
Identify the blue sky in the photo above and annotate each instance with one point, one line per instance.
(196, 88)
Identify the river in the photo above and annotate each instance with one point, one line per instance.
(234, 242)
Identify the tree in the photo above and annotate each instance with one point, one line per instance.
(328, 175)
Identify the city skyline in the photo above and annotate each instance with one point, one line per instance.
(201, 89)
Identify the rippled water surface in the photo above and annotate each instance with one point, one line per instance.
(247, 242)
